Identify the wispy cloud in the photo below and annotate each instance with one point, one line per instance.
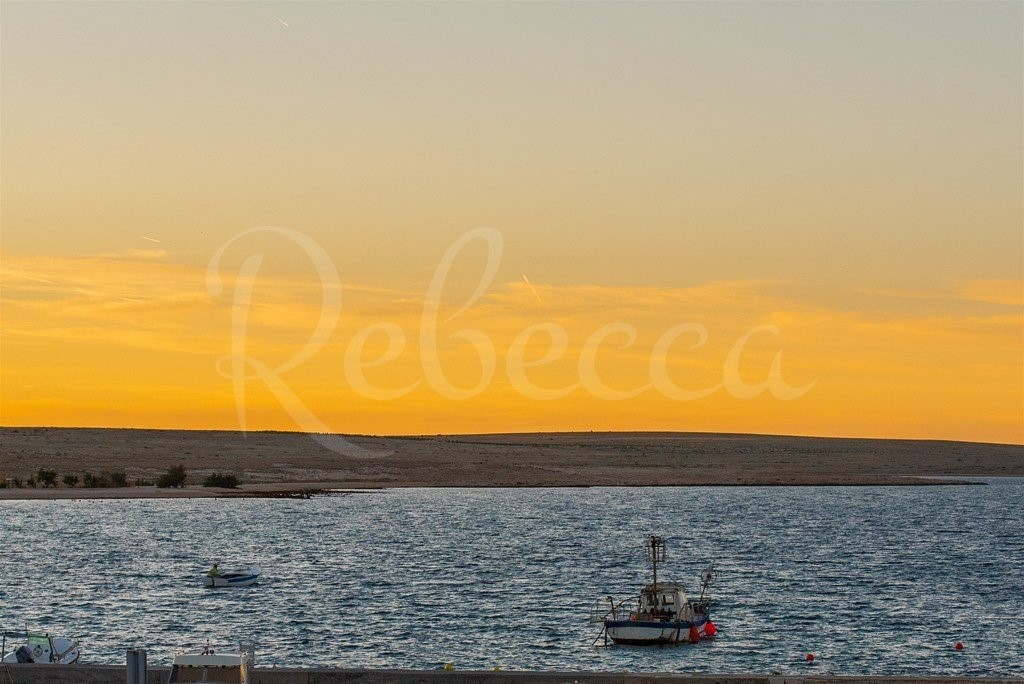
(1005, 291)
(135, 254)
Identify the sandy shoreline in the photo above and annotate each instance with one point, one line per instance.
(302, 490)
(283, 462)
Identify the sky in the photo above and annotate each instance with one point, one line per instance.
(397, 218)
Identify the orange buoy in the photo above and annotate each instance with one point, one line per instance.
(810, 657)
(959, 646)
(709, 629)
(694, 634)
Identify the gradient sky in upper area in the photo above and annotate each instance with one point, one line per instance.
(850, 173)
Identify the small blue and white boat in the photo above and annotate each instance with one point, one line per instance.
(235, 577)
(662, 613)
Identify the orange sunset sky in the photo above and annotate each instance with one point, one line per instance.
(659, 204)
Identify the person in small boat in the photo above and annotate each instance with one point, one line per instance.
(214, 571)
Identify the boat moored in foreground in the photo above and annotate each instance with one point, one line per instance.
(662, 613)
(37, 647)
(231, 668)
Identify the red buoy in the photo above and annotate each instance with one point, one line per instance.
(810, 657)
(709, 629)
(694, 634)
(959, 646)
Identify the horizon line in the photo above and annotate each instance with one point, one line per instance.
(510, 433)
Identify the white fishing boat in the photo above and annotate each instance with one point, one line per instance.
(234, 577)
(230, 668)
(37, 647)
(662, 613)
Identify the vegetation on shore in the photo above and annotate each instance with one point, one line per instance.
(221, 480)
(45, 478)
(174, 477)
(51, 479)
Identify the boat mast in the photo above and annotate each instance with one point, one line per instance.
(655, 554)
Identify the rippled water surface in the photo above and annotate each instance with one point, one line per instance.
(872, 580)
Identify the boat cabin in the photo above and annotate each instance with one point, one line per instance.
(663, 602)
(208, 667)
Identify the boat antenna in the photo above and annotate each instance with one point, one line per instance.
(705, 579)
(655, 547)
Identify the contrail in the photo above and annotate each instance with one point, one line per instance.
(151, 239)
(532, 289)
(282, 22)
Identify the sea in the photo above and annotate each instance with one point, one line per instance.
(870, 580)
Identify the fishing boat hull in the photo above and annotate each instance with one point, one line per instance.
(641, 633)
(233, 578)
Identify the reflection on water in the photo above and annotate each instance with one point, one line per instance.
(872, 580)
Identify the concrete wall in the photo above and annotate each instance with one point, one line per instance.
(115, 674)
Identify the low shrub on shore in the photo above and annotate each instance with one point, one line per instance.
(221, 480)
(118, 479)
(174, 477)
(95, 481)
(47, 478)
(70, 480)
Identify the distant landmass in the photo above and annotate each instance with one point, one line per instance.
(502, 460)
